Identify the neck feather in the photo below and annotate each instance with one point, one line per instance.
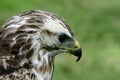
(43, 64)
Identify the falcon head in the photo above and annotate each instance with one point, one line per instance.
(57, 37)
(33, 39)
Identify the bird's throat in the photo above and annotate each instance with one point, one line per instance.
(44, 67)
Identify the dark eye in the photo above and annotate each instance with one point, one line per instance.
(63, 37)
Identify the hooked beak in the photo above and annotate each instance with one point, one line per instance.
(77, 51)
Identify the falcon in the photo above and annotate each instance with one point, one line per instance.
(29, 43)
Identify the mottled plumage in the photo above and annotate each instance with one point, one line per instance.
(29, 43)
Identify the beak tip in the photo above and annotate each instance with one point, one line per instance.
(78, 53)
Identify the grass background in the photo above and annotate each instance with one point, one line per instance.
(96, 24)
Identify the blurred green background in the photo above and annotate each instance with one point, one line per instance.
(96, 24)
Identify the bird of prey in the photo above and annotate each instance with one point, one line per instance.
(29, 43)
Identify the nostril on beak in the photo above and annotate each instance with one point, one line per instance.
(77, 45)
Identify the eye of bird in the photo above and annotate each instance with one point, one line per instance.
(63, 37)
